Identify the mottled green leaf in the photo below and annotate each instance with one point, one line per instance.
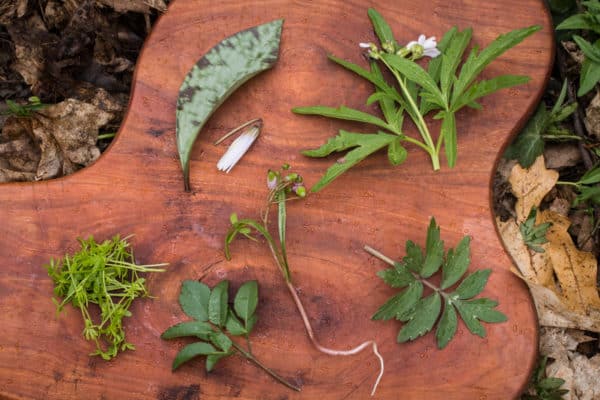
(194, 299)
(217, 75)
(456, 264)
(217, 304)
(447, 325)
(529, 144)
(473, 284)
(193, 350)
(400, 305)
(426, 313)
(396, 277)
(198, 329)
(364, 144)
(246, 300)
(434, 250)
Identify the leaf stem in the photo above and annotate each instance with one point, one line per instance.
(268, 370)
(391, 262)
(567, 183)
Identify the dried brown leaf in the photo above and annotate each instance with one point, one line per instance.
(592, 117)
(530, 186)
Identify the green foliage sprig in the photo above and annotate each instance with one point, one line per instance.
(533, 235)
(214, 321)
(442, 90)
(23, 110)
(543, 387)
(420, 313)
(543, 126)
(104, 274)
(586, 187)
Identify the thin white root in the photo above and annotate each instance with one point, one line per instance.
(333, 352)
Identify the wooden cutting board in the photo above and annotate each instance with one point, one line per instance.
(136, 188)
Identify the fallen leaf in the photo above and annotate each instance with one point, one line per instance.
(592, 117)
(530, 186)
(140, 6)
(561, 155)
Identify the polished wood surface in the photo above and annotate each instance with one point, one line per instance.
(136, 188)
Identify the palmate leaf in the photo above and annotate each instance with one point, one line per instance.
(397, 277)
(485, 87)
(363, 144)
(216, 76)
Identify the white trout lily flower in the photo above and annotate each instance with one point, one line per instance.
(237, 149)
(424, 47)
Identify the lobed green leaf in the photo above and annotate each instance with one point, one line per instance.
(451, 58)
(401, 305)
(414, 257)
(473, 284)
(447, 325)
(193, 299)
(426, 313)
(434, 250)
(456, 264)
(397, 277)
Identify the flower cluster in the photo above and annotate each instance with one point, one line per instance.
(422, 47)
(291, 182)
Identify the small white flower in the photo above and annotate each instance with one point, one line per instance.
(364, 45)
(237, 149)
(424, 46)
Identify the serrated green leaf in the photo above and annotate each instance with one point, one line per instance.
(415, 73)
(381, 28)
(401, 305)
(472, 323)
(475, 63)
(397, 277)
(451, 57)
(529, 144)
(434, 251)
(192, 350)
(217, 75)
(220, 340)
(414, 257)
(234, 326)
(217, 304)
(213, 359)
(485, 87)
(365, 144)
(456, 264)
(588, 49)
(448, 132)
(393, 115)
(473, 284)
(396, 153)
(194, 299)
(190, 328)
(447, 325)
(342, 112)
(472, 311)
(426, 313)
(589, 77)
(246, 300)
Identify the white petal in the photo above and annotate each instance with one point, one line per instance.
(422, 40)
(237, 149)
(411, 44)
(433, 53)
(430, 43)
(364, 45)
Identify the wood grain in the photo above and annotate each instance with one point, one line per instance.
(136, 187)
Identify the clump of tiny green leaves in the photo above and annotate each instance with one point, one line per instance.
(442, 90)
(588, 20)
(543, 126)
(586, 187)
(533, 235)
(284, 186)
(543, 387)
(214, 321)
(23, 111)
(420, 313)
(104, 274)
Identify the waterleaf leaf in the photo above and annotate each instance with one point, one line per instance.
(473, 284)
(213, 359)
(396, 277)
(451, 57)
(434, 250)
(447, 325)
(365, 144)
(381, 27)
(198, 329)
(456, 264)
(217, 304)
(415, 73)
(234, 326)
(344, 113)
(529, 145)
(194, 299)
(221, 341)
(396, 153)
(246, 300)
(217, 75)
(485, 87)
(435, 64)
(400, 305)
(426, 313)
(192, 350)
(476, 63)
